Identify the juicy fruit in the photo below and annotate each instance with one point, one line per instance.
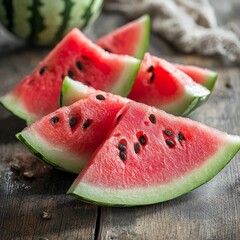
(77, 57)
(130, 39)
(160, 84)
(150, 157)
(126, 39)
(203, 76)
(46, 22)
(68, 137)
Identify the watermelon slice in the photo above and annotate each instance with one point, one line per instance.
(150, 157)
(119, 42)
(76, 56)
(162, 85)
(203, 76)
(67, 137)
(130, 39)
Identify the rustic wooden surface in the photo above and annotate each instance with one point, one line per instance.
(210, 212)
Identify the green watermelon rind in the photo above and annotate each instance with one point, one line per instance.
(54, 156)
(72, 91)
(142, 47)
(15, 106)
(192, 97)
(151, 195)
(210, 81)
(124, 84)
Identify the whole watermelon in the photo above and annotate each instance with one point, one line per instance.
(45, 22)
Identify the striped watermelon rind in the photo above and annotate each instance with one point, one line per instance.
(44, 22)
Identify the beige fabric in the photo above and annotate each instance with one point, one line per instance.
(189, 25)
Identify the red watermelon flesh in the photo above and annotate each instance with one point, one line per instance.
(77, 57)
(67, 137)
(203, 76)
(130, 39)
(151, 156)
(162, 85)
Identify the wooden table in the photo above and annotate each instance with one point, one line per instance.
(38, 208)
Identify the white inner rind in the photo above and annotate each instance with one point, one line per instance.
(126, 80)
(14, 104)
(73, 91)
(107, 195)
(182, 105)
(52, 154)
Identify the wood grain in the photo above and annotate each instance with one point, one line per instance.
(209, 212)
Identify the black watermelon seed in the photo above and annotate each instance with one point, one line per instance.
(137, 147)
(122, 147)
(100, 97)
(152, 78)
(85, 58)
(170, 143)
(151, 68)
(143, 140)
(180, 137)
(119, 117)
(70, 74)
(87, 123)
(152, 118)
(107, 50)
(168, 132)
(54, 119)
(79, 66)
(72, 121)
(43, 70)
(123, 155)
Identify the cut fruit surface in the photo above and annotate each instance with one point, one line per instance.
(77, 57)
(130, 39)
(68, 137)
(162, 85)
(150, 157)
(203, 76)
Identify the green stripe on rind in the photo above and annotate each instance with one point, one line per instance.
(36, 22)
(14, 105)
(161, 193)
(66, 16)
(72, 91)
(3, 14)
(142, 47)
(88, 13)
(52, 20)
(125, 82)
(21, 15)
(50, 153)
(9, 13)
(96, 10)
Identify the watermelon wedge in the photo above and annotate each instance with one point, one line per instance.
(203, 76)
(77, 57)
(162, 85)
(130, 39)
(150, 157)
(126, 39)
(68, 137)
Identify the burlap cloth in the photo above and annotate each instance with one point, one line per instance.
(190, 25)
